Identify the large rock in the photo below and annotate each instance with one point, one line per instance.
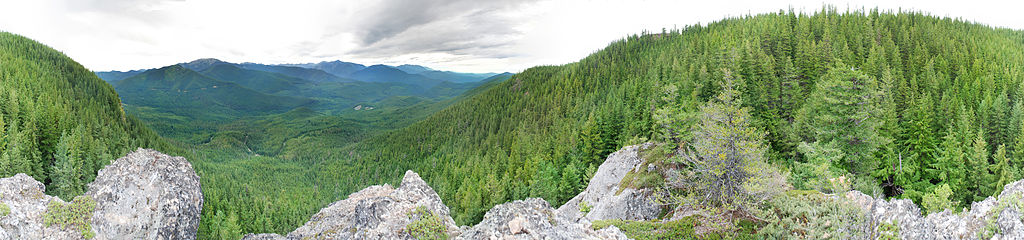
(533, 218)
(377, 212)
(999, 217)
(603, 194)
(144, 195)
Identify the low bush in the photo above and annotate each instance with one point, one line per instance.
(427, 225)
(76, 214)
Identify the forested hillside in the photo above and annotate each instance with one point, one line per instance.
(59, 123)
(899, 102)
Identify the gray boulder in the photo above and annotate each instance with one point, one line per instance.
(144, 195)
(603, 192)
(376, 212)
(533, 218)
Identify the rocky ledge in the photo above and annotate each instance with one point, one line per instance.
(993, 218)
(534, 219)
(144, 195)
(383, 212)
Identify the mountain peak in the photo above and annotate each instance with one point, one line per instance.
(414, 69)
(202, 63)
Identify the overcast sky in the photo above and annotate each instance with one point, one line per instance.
(459, 35)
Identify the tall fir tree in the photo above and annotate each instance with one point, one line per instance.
(842, 112)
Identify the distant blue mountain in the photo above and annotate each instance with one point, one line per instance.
(113, 77)
(310, 74)
(201, 64)
(338, 68)
(267, 78)
(384, 73)
(413, 69)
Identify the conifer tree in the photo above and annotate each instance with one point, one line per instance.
(1004, 173)
(725, 147)
(979, 177)
(842, 112)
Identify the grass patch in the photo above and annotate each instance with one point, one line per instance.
(4, 210)
(643, 230)
(71, 215)
(426, 226)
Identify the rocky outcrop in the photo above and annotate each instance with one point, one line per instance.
(27, 203)
(383, 212)
(604, 197)
(998, 218)
(376, 212)
(144, 195)
(533, 219)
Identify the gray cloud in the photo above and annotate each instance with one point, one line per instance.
(462, 28)
(392, 17)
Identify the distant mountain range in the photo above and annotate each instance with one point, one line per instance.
(205, 94)
(333, 71)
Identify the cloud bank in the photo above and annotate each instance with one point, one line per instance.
(461, 35)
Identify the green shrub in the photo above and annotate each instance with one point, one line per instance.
(938, 199)
(76, 214)
(585, 207)
(802, 214)
(427, 225)
(889, 231)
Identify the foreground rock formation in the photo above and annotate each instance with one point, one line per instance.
(144, 195)
(383, 212)
(993, 218)
(376, 212)
(533, 219)
(603, 194)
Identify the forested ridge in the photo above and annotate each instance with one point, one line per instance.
(898, 103)
(59, 123)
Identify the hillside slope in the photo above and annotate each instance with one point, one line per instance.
(178, 87)
(59, 123)
(542, 132)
